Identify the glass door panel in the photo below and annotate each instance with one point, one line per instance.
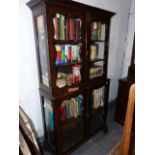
(68, 50)
(49, 120)
(97, 108)
(96, 55)
(71, 119)
(42, 50)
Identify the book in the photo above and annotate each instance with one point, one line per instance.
(71, 30)
(93, 51)
(76, 73)
(49, 115)
(58, 54)
(96, 29)
(56, 30)
(63, 57)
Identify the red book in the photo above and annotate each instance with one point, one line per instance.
(71, 29)
(69, 54)
(77, 27)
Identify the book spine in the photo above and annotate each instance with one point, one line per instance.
(63, 27)
(69, 53)
(62, 54)
(51, 121)
(71, 29)
(58, 54)
(60, 27)
(66, 53)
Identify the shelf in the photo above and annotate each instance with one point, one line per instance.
(67, 41)
(69, 64)
(95, 76)
(96, 60)
(93, 41)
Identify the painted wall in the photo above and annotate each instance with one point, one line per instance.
(120, 45)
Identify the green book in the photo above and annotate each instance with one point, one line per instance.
(62, 27)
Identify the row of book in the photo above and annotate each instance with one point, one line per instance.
(49, 116)
(66, 28)
(67, 53)
(98, 97)
(71, 108)
(97, 31)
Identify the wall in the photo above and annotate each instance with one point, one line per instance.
(119, 45)
(129, 40)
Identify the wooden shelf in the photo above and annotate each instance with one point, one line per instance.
(93, 41)
(69, 64)
(96, 60)
(72, 42)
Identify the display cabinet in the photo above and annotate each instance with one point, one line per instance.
(72, 41)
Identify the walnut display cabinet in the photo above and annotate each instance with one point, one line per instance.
(72, 43)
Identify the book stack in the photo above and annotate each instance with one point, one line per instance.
(98, 97)
(96, 30)
(71, 108)
(66, 29)
(49, 116)
(67, 53)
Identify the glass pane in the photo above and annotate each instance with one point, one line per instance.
(97, 110)
(42, 50)
(71, 120)
(96, 55)
(66, 28)
(68, 68)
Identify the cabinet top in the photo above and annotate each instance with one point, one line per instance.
(69, 3)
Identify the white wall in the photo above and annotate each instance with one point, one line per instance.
(29, 95)
(119, 49)
(129, 40)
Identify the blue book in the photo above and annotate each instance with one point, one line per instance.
(51, 121)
